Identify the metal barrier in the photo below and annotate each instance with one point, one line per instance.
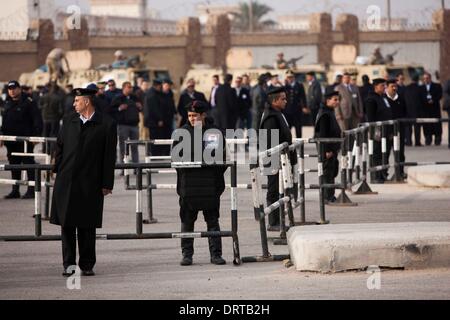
(139, 221)
(47, 184)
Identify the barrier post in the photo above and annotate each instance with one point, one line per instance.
(371, 147)
(384, 155)
(139, 226)
(364, 187)
(151, 219)
(321, 183)
(350, 160)
(234, 215)
(343, 200)
(282, 208)
(287, 184)
(358, 155)
(37, 203)
(398, 177)
(302, 184)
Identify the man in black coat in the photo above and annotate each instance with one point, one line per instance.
(274, 120)
(431, 94)
(187, 96)
(259, 100)
(379, 109)
(446, 107)
(126, 108)
(314, 97)
(326, 126)
(226, 109)
(398, 107)
(413, 102)
(200, 189)
(21, 117)
(296, 103)
(154, 118)
(85, 162)
(244, 104)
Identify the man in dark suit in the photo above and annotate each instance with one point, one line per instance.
(85, 162)
(187, 96)
(296, 103)
(379, 109)
(274, 120)
(314, 97)
(431, 94)
(226, 116)
(244, 104)
(413, 102)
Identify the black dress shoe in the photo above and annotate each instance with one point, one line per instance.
(274, 228)
(218, 261)
(186, 261)
(67, 274)
(13, 195)
(88, 273)
(28, 195)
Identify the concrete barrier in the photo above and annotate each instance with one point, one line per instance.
(437, 176)
(335, 248)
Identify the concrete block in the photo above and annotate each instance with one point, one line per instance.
(334, 248)
(437, 176)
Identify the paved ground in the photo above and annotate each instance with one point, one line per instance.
(149, 269)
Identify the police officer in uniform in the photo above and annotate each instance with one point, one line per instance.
(296, 102)
(326, 126)
(21, 117)
(200, 189)
(85, 162)
(273, 119)
(379, 109)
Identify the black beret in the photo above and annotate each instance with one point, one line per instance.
(275, 90)
(197, 106)
(84, 92)
(391, 81)
(157, 82)
(168, 81)
(378, 81)
(330, 94)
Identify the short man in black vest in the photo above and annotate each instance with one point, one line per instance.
(200, 189)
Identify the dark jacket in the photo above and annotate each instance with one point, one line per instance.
(153, 108)
(201, 188)
(326, 126)
(244, 101)
(21, 118)
(102, 104)
(52, 105)
(274, 120)
(446, 92)
(226, 107)
(398, 107)
(413, 101)
(296, 100)
(314, 97)
(185, 99)
(85, 162)
(431, 108)
(377, 109)
(129, 116)
(259, 100)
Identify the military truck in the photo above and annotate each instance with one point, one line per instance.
(81, 72)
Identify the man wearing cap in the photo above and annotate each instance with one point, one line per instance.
(379, 109)
(226, 114)
(101, 102)
(259, 99)
(296, 103)
(349, 113)
(112, 91)
(314, 96)
(281, 63)
(85, 162)
(126, 108)
(187, 96)
(21, 117)
(200, 189)
(326, 126)
(54, 61)
(274, 120)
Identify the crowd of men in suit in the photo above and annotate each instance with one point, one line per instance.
(148, 110)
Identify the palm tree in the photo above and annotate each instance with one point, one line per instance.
(242, 19)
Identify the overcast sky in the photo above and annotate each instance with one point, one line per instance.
(415, 10)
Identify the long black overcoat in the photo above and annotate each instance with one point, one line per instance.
(85, 162)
